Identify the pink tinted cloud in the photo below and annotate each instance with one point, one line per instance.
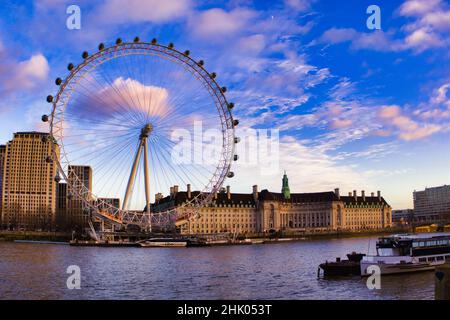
(438, 106)
(420, 132)
(429, 26)
(217, 22)
(135, 11)
(340, 123)
(298, 5)
(404, 126)
(418, 7)
(387, 112)
(26, 74)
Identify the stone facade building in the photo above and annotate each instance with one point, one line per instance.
(28, 182)
(2, 165)
(265, 211)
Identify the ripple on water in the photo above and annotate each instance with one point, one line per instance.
(283, 271)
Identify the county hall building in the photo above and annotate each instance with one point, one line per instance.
(265, 211)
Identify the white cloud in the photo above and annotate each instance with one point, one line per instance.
(135, 11)
(438, 106)
(418, 7)
(216, 22)
(338, 35)
(253, 44)
(422, 39)
(298, 5)
(145, 99)
(322, 174)
(405, 126)
(439, 20)
(377, 40)
(27, 74)
(430, 25)
(428, 29)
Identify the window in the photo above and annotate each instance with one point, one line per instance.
(422, 259)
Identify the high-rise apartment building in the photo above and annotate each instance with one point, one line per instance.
(29, 186)
(2, 165)
(79, 178)
(432, 204)
(61, 206)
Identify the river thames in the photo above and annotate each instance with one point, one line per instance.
(270, 271)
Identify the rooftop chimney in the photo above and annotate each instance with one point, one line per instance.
(255, 192)
(171, 191)
(158, 196)
(188, 191)
(228, 193)
(336, 191)
(372, 194)
(349, 194)
(363, 195)
(379, 195)
(175, 190)
(355, 195)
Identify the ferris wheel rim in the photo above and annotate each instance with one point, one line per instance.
(189, 64)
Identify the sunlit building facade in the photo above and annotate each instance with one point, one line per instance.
(28, 182)
(432, 204)
(265, 211)
(2, 165)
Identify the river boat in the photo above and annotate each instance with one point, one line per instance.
(406, 253)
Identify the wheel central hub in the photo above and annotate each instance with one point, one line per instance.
(145, 131)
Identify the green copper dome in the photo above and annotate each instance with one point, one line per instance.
(285, 188)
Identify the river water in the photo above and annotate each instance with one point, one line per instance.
(270, 271)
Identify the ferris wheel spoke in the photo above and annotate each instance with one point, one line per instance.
(110, 123)
(96, 151)
(168, 115)
(172, 170)
(96, 137)
(163, 170)
(131, 87)
(138, 92)
(125, 102)
(100, 162)
(156, 173)
(168, 160)
(143, 82)
(116, 105)
(121, 186)
(176, 119)
(89, 94)
(103, 178)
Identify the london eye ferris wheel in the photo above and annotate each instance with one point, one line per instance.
(126, 111)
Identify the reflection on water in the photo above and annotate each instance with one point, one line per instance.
(278, 271)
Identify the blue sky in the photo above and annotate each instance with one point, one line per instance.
(356, 108)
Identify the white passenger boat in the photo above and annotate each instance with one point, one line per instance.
(408, 253)
(163, 242)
